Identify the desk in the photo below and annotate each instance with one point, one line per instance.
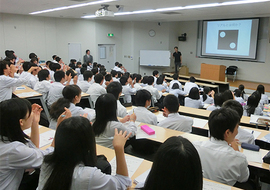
(28, 93)
(87, 96)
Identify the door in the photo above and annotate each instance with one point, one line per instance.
(107, 55)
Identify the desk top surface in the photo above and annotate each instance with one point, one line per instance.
(26, 92)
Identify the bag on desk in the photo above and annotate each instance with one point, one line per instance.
(153, 109)
(103, 164)
(266, 158)
(250, 146)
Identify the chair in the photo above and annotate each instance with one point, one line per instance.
(232, 70)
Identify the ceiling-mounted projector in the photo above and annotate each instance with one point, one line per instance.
(103, 12)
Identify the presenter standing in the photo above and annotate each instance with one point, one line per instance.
(177, 58)
(87, 57)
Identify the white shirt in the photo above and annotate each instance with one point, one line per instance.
(188, 86)
(128, 91)
(161, 87)
(177, 122)
(213, 107)
(264, 99)
(106, 138)
(222, 163)
(32, 81)
(154, 92)
(8, 85)
(175, 81)
(177, 92)
(121, 110)
(55, 92)
(115, 79)
(208, 100)
(43, 88)
(87, 178)
(155, 80)
(52, 75)
(26, 75)
(115, 68)
(193, 103)
(144, 115)
(137, 86)
(244, 136)
(258, 111)
(84, 85)
(240, 100)
(95, 91)
(15, 157)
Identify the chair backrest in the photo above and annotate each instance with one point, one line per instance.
(231, 70)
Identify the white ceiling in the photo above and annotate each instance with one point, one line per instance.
(233, 11)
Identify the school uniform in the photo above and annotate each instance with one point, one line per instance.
(208, 100)
(137, 86)
(87, 178)
(43, 88)
(143, 84)
(155, 80)
(80, 78)
(26, 75)
(128, 91)
(32, 81)
(177, 92)
(95, 91)
(8, 85)
(52, 75)
(244, 136)
(78, 71)
(144, 115)
(188, 86)
(15, 157)
(229, 166)
(193, 103)
(258, 111)
(175, 81)
(177, 122)
(154, 92)
(121, 110)
(115, 79)
(106, 138)
(240, 100)
(161, 87)
(84, 85)
(55, 92)
(264, 99)
(115, 68)
(213, 107)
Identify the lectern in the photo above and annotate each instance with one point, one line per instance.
(213, 72)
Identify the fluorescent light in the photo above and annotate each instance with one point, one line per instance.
(72, 6)
(89, 16)
(169, 9)
(242, 2)
(201, 6)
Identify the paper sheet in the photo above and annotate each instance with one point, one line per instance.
(199, 122)
(143, 135)
(255, 133)
(28, 131)
(253, 156)
(46, 138)
(133, 164)
(254, 118)
(160, 117)
(27, 94)
(20, 88)
(206, 105)
(141, 178)
(209, 185)
(266, 138)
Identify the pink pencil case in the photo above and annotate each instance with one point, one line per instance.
(147, 129)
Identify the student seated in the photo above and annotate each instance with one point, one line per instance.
(116, 68)
(182, 171)
(114, 76)
(73, 164)
(144, 81)
(137, 78)
(96, 88)
(78, 68)
(227, 95)
(155, 75)
(30, 76)
(18, 151)
(252, 106)
(7, 81)
(174, 120)
(238, 97)
(208, 96)
(115, 88)
(242, 88)
(193, 99)
(44, 85)
(176, 91)
(242, 136)
(218, 101)
(85, 84)
(72, 64)
(143, 101)
(106, 121)
(156, 95)
(128, 88)
(159, 85)
(55, 91)
(53, 68)
(175, 80)
(108, 80)
(74, 76)
(230, 166)
(71, 97)
(190, 84)
(264, 97)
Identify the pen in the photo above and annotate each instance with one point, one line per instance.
(252, 132)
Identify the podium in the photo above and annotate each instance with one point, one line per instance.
(213, 72)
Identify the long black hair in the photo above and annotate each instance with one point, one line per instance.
(105, 107)
(11, 111)
(176, 165)
(206, 90)
(252, 103)
(74, 144)
(194, 93)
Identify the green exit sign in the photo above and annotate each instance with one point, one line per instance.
(110, 35)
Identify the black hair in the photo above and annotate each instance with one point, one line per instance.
(138, 77)
(9, 53)
(206, 90)
(260, 89)
(192, 79)
(252, 103)
(33, 59)
(103, 72)
(88, 63)
(241, 87)
(98, 78)
(71, 71)
(142, 96)
(26, 65)
(54, 56)
(59, 75)
(105, 107)
(11, 111)
(160, 81)
(237, 93)
(114, 88)
(83, 69)
(133, 76)
(218, 99)
(175, 77)
(120, 74)
(54, 66)
(87, 51)
(70, 91)
(123, 80)
(194, 93)
(48, 63)
(175, 47)
(78, 63)
(171, 102)
(175, 86)
(150, 80)
(120, 65)
(57, 59)
(31, 55)
(3, 66)
(182, 171)
(74, 144)
(222, 119)
(116, 63)
(113, 73)
(127, 74)
(43, 74)
(155, 72)
(234, 105)
(87, 75)
(144, 80)
(108, 77)
(95, 64)
(94, 71)
(227, 95)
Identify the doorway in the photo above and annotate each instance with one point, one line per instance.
(107, 55)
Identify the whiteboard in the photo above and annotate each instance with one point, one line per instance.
(158, 58)
(74, 51)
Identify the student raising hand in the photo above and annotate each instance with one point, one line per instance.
(36, 110)
(66, 114)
